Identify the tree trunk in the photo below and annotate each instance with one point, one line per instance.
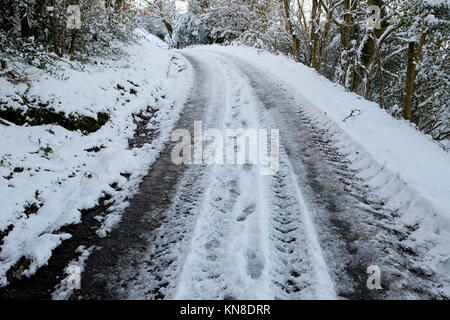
(326, 32)
(290, 29)
(314, 37)
(73, 44)
(370, 48)
(414, 55)
(62, 33)
(409, 83)
(53, 27)
(25, 29)
(169, 28)
(345, 42)
(380, 74)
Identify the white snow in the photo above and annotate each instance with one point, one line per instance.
(402, 162)
(62, 291)
(225, 243)
(151, 38)
(69, 178)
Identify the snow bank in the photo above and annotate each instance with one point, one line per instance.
(42, 191)
(403, 164)
(151, 38)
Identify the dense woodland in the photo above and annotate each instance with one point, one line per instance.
(402, 63)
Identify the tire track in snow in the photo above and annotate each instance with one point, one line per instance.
(355, 228)
(217, 267)
(270, 249)
(212, 270)
(301, 271)
(226, 232)
(112, 272)
(297, 268)
(170, 244)
(230, 233)
(166, 255)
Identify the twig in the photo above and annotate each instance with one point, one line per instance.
(354, 113)
(62, 60)
(3, 122)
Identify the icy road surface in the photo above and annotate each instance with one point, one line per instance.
(226, 232)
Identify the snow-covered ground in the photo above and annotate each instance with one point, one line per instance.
(404, 165)
(48, 174)
(231, 234)
(152, 38)
(226, 243)
(228, 232)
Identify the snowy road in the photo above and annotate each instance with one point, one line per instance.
(226, 232)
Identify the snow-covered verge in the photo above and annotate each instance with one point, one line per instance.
(405, 166)
(49, 174)
(152, 38)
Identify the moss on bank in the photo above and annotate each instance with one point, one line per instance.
(37, 116)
